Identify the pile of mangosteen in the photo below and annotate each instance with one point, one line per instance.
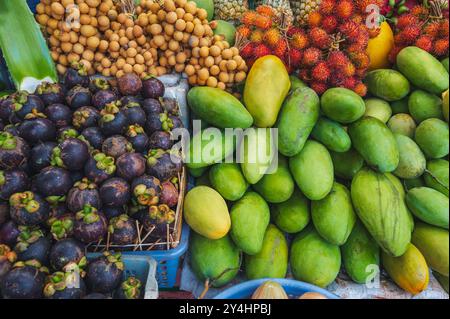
(83, 161)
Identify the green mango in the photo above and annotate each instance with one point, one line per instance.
(389, 85)
(437, 176)
(272, 260)
(333, 216)
(342, 105)
(413, 183)
(429, 205)
(433, 138)
(400, 106)
(228, 180)
(382, 209)
(397, 183)
(293, 215)
(379, 109)
(359, 254)
(296, 83)
(258, 151)
(433, 243)
(250, 217)
(376, 143)
(314, 260)
(445, 63)
(333, 135)
(208, 5)
(215, 260)
(225, 29)
(279, 186)
(423, 106)
(313, 170)
(443, 280)
(402, 124)
(347, 164)
(203, 180)
(198, 172)
(412, 161)
(297, 118)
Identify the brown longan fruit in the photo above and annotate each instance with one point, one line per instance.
(138, 68)
(147, 55)
(189, 27)
(171, 17)
(85, 19)
(209, 62)
(169, 29)
(57, 8)
(93, 3)
(139, 59)
(114, 55)
(215, 51)
(141, 40)
(103, 46)
(106, 72)
(191, 7)
(120, 73)
(84, 8)
(186, 37)
(174, 45)
(202, 14)
(104, 7)
(112, 15)
(172, 60)
(42, 19)
(78, 48)
(106, 63)
(127, 68)
(181, 57)
(194, 61)
(194, 41)
(179, 68)
(93, 11)
(224, 77)
(240, 76)
(88, 55)
(52, 24)
(189, 70)
(178, 36)
(64, 37)
(159, 40)
(131, 52)
(40, 8)
(188, 17)
(212, 82)
(232, 65)
(222, 86)
(120, 63)
(192, 80)
(180, 25)
(93, 42)
(103, 21)
(114, 46)
(61, 69)
(196, 52)
(181, 3)
(54, 55)
(204, 51)
(227, 54)
(214, 70)
(205, 42)
(203, 74)
(156, 29)
(98, 57)
(72, 57)
(66, 47)
(131, 61)
(133, 44)
(161, 70)
(161, 15)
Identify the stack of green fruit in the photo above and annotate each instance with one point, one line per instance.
(360, 183)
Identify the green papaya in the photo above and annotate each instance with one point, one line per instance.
(402, 124)
(382, 209)
(387, 84)
(228, 180)
(297, 118)
(215, 260)
(250, 217)
(442, 280)
(257, 152)
(445, 63)
(264, 98)
(412, 161)
(423, 70)
(436, 176)
(333, 135)
(314, 260)
(433, 138)
(429, 205)
(359, 254)
(219, 108)
(293, 215)
(208, 147)
(313, 170)
(347, 164)
(342, 105)
(400, 106)
(379, 109)
(423, 106)
(272, 260)
(279, 186)
(376, 143)
(433, 243)
(296, 83)
(333, 216)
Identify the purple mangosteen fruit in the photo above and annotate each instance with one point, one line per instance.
(177, 123)
(157, 219)
(103, 98)
(123, 230)
(6, 108)
(78, 96)
(28, 209)
(27, 106)
(115, 192)
(71, 154)
(94, 136)
(12, 129)
(56, 211)
(113, 120)
(171, 106)
(76, 176)
(64, 286)
(116, 146)
(130, 289)
(138, 138)
(13, 181)
(129, 84)
(135, 114)
(32, 243)
(130, 165)
(76, 75)
(4, 213)
(14, 151)
(99, 83)
(158, 122)
(9, 232)
(65, 252)
(41, 156)
(104, 274)
(125, 100)
(161, 140)
(83, 193)
(61, 227)
(96, 296)
(99, 168)
(7, 259)
(53, 183)
(59, 114)
(169, 194)
(50, 93)
(152, 106)
(90, 225)
(111, 212)
(146, 190)
(37, 130)
(85, 117)
(164, 165)
(152, 88)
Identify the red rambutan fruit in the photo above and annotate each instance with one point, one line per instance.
(299, 40)
(266, 11)
(441, 47)
(444, 29)
(425, 42)
(311, 56)
(357, 18)
(261, 50)
(348, 69)
(314, 19)
(330, 24)
(304, 75)
(337, 79)
(350, 29)
(272, 37)
(432, 29)
(360, 89)
(293, 30)
(247, 51)
(281, 48)
(420, 11)
(319, 87)
(295, 57)
(411, 33)
(361, 73)
(327, 7)
(321, 72)
(319, 38)
(248, 18)
(344, 9)
(263, 22)
(394, 52)
(244, 31)
(361, 60)
(349, 83)
(407, 19)
(336, 59)
(257, 36)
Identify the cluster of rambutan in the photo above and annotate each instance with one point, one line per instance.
(424, 28)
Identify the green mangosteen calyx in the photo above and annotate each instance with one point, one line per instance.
(115, 259)
(135, 130)
(19, 99)
(162, 214)
(27, 236)
(105, 163)
(80, 117)
(79, 67)
(61, 228)
(101, 83)
(131, 105)
(2, 178)
(117, 223)
(60, 281)
(85, 184)
(7, 254)
(24, 200)
(47, 88)
(109, 112)
(154, 155)
(31, 263)
(56, 159)
(131, 288)
(7, 141)
(166, 122)
(77, 268)
(89, 215)
(146, 196)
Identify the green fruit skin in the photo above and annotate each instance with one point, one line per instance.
(413, 183)
(279, 186)
(412, 161)
(332, 135)
(437, 177)
(197, 172)
(376, 143)
(401, 190)
(228, 180)
(314, 260)
(402, 124)
(272, 260)
(433, 138)
(293, 215)
(208, 5)
(333, 216)
(445, 63)
(218, 108)
(429, 205)
(400, 106)
(360, 252)
(216, 260)
(347, 164)
(443, 280)
(382, 209)
(342, 105)
(296, 83)
(297, 119)
(433, 244)
(423, 70)
(379, 109)
(250, 217)
(313, 170)
(387, 84)
(201, 152)
(226, 29)
(423, 106)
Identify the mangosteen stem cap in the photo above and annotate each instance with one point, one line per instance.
(7, 141)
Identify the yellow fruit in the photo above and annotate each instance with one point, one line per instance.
(445, 105)
(380, 47)
(270, 290)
